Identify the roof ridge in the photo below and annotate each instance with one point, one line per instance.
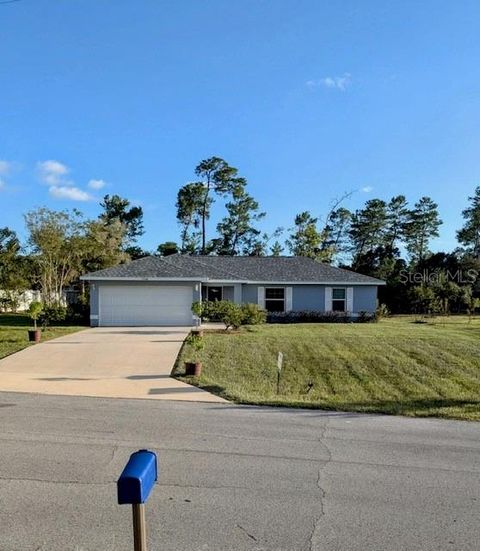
(226, 271)
(164, 260)
(223, 268)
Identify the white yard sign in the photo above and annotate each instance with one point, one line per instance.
(280, 361)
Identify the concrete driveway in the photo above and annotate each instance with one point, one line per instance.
(114, 362)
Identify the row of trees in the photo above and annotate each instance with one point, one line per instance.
(379, 226)
(385, 239)
(390, 240)
(62, 245)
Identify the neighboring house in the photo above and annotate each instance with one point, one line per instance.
(160, 290)
(15, 301)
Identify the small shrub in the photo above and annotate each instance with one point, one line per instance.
(210, 310)
(365, 317)
(197, 308)
(231, 314)
(34, 311)
(382, 312)
(253, 314)
(312, 316)
(52, 314)
(197, 343)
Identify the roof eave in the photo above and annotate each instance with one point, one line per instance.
(87, 277)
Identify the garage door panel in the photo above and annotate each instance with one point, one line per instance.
(145, 305)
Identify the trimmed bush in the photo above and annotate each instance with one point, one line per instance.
(197, 309)
(229, 313)
(313, 316)
(253, 314)
(235, 315)
(53, 314)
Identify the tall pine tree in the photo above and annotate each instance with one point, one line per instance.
(421, 227)
(469, 234)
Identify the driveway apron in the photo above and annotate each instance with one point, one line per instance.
(114, 362)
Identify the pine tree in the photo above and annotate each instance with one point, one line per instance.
(421, 226)
(469, 234)
(305, 239)
(368, 229)
(237, 233)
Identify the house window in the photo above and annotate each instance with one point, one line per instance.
(214, 293)
(339, 300)
(275, 299)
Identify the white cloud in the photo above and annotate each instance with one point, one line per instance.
(5, 167)
(60, 186)
(338, 82)
(2, 184)
(53, 173)
(71, 193)
(96, 184)
(367, 189)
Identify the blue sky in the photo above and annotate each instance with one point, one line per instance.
(309, 99)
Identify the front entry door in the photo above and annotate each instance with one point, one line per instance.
(214, 294)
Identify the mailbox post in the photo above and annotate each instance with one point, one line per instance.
(134, 487)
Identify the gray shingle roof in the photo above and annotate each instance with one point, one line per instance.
(233, 268)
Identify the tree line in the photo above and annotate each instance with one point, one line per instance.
(390, 240)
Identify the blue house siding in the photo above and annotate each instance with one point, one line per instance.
(304, 297)
(308, 297)
(228, 293)
(312, 297)
(249, 294)
(364, 298)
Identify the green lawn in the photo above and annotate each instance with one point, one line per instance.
(395, 366)
(14, 337)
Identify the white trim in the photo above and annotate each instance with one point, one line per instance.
(328, 299)
(288, 299)
(231, 281)
(99, 278)
(261, 297)
(341, 283)
(349, 299)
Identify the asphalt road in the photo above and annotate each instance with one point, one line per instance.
(235, 478)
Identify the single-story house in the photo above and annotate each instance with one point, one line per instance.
(161, 290)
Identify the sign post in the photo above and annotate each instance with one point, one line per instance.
(279, 370)
(134, 487)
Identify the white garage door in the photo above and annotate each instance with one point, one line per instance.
(145, 305)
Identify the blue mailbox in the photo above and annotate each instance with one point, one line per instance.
(138, 478)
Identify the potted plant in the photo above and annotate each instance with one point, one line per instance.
(194, 366)
(34, 312)
(197, 309)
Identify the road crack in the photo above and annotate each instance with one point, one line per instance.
(318, 519)
(251, 536)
